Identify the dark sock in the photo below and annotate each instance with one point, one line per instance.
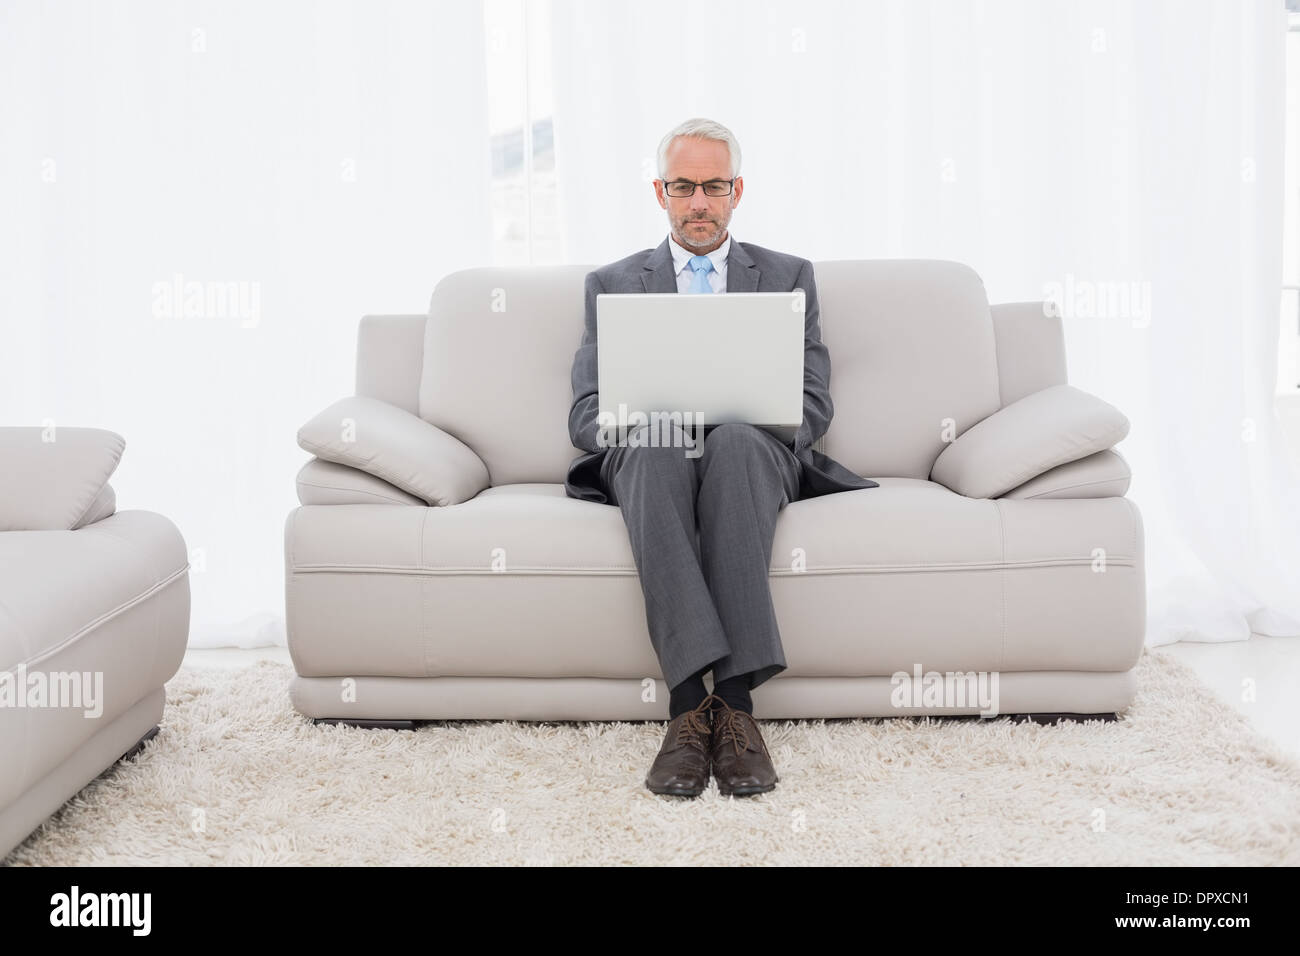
(688, 694)
(735, 691)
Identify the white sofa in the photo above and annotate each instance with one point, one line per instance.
(94, 619)
(436, 570)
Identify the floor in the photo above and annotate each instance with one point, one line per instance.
(1183, 781)
(1258, 677)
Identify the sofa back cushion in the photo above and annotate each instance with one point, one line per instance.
(499, 347)
(911, 342)
(913, 360)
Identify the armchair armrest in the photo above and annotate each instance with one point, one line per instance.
(104, 506)
(1045, 429)
(55, 479)
(402, 449)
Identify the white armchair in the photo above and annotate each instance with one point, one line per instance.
(94, 619)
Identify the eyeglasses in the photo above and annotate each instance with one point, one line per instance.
(683, 188)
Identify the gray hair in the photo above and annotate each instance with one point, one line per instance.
(700, 128)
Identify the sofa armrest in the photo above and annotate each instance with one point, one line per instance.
(1022, 440)
(402, 449)
(327, 483)
(1103, 475)
(53, 479)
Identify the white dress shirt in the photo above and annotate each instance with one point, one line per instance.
(686, 275)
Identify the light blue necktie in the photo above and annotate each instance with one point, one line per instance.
(702, 265)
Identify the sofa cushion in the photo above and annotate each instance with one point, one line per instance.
(1026, 438)
(105, 504)
(911, 344)
(523, 581)
(912, 349)
(498, 360)
(396, 446)
(53, 478)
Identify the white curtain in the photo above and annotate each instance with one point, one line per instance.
(1071, 150)
(323, 160)
(318, 160)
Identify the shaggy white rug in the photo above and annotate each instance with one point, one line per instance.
(235, 776)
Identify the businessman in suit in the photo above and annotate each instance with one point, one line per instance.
(701, 525)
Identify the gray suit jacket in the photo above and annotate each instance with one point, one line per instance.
(750, 268)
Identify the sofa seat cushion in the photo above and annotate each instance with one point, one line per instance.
(523, 581)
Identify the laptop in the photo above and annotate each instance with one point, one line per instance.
(733, 357)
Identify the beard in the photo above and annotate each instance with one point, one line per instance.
(693, 238)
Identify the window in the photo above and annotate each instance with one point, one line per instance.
(525, 210)
(1288, 352)
(1288, 379)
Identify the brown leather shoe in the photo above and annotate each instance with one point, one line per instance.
(739, 754)
(682, 767)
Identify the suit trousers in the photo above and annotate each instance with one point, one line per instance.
(701, 528)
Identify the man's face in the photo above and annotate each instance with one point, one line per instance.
(698, 222)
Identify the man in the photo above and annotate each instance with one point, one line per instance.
(708, 603)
